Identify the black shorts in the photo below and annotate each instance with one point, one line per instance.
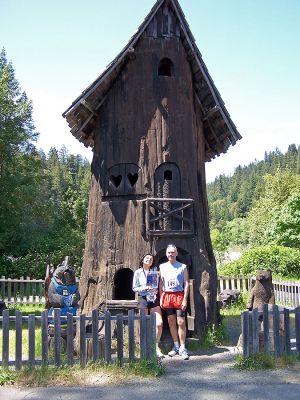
(143, 303)
(175, 311)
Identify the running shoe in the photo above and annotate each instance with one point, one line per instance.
(184, 354)
(173, 352)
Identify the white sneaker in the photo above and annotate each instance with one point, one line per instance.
(184, 354)
(173, 352)
(159, 354)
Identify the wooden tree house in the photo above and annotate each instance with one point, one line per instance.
(153, 118)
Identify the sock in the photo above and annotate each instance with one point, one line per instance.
(182, 346)
(176, 344)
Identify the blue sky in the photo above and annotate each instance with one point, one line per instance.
(251, 49)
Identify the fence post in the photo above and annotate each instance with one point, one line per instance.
(297, 328)
(255, 330)
(18, 326)
(70, 338)
(95, 334)
(143, 334)
(245, 333)
(266, 328)
(57, 336)
(131, 335)
(82, 340)
(120, 338)
(277, 347)
(44, 328)
(5, 338)
(107, 338)
(153, 335)
(287, 332)
(31, 340)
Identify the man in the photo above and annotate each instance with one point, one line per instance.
(174, 289)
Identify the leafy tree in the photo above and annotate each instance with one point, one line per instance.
(283, 262)
(19, 160)
(285, 223)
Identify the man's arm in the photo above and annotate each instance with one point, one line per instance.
(186, 289)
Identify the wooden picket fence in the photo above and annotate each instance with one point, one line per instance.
(276, 330)
(286, 293)
(22, 290)
(123, 337)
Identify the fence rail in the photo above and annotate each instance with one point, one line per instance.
(286, 293)
(22, 290)
(121, 335)
(31, 291)
(275, 330)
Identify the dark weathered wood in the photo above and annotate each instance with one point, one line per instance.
(57, 336)
(250, 319)
(131, 338)
(70, 339)
(5, 338)
(107, 339)
(120, 339)
(18, 326)
(44, 333)
(143, 335)
(82, 340)
(31, 340)
(152, 336)
(95, 334)
(266, 328)
(148, 337)
(297, 329)
(287, 331)
(277, 345)
(255, 330)
(245, 333)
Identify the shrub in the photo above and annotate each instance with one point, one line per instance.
(284, 262)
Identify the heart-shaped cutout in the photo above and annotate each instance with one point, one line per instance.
(132, 178)
(116, 180)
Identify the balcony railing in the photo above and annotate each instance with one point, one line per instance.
(169, 217)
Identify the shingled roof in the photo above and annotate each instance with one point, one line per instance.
(219, 130)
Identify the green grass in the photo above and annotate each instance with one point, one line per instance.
(76, 376)
(261, 361)
(25, 310)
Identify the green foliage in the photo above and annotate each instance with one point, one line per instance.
(76, 376)
(284, 227)
(284, 262)
(261, 361)
(213, 335)
(237, 307)
(255, 362)
(43, 199)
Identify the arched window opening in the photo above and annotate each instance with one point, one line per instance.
(166, 67)
(123, 285)
(168, 176)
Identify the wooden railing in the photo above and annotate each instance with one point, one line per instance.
(169, 217)
(286, 293)
(22, 290)
(121, 334)
(271, 331)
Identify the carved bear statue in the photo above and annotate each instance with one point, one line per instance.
(262, 292)
(63, 293)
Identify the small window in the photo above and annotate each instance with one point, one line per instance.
(168, 176)
(165, 67)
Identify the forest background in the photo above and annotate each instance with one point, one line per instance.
(254, 214)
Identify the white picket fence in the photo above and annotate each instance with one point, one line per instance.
(286, 293)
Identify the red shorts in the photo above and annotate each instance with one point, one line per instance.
(172, 300)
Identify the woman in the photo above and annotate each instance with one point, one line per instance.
(148, 295)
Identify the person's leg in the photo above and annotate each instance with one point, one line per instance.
(159, 322)
(181, 330)
(182, 335)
